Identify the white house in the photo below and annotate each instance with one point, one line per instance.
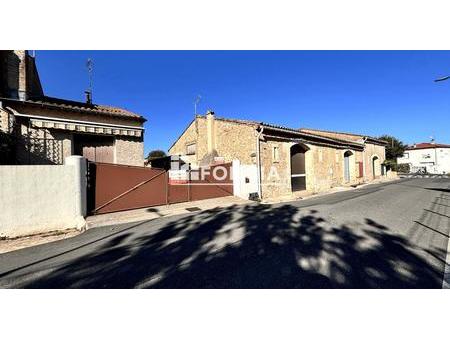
(433, 157)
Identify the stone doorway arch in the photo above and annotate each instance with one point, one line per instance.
(298, 167)
(376, 166)
(348, 157)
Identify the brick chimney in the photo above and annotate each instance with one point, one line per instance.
(19, 77)
(210, 131)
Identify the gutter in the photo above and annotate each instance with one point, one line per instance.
(364, 158)
(258, 163)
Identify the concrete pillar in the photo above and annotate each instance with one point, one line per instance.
(236, 175)
(80, 167)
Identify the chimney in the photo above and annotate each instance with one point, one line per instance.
(88, 96)
(210, 131)
(14, 74)
(22, 84)
(19, 78)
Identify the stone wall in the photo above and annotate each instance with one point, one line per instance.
(232, 141)
(370, 151)
(4, 121)
(324, 165)
(275, 175)
(324, 168)
(129, 150)
(189, 136)
(235, 141)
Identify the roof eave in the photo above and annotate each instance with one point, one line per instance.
(81, 110)
(313, 136)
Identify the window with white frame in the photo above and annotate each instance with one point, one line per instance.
(191, 149)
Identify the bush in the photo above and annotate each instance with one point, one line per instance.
(391, 165)
(403, 168)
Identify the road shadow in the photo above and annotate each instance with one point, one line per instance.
(251, 246)
(444, 190)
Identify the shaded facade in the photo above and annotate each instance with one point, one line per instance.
(46, 129)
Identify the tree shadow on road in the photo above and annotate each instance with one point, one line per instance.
(251, 246)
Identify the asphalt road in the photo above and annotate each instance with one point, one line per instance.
(390, 235)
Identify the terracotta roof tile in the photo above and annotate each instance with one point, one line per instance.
(52, 102)
(426, 145)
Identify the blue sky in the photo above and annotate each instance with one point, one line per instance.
(368, 92)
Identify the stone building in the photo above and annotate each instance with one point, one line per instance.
(46, 129)
(287, 161)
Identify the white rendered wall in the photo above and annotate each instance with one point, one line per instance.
(42, 198)
(244, 179)
(437, 161)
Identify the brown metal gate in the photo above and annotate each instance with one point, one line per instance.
(113, 187)
(203, 184)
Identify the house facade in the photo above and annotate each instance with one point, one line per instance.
(433, 157)
(46, 130)
(287, 161)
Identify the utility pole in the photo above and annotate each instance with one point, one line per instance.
(444, 78)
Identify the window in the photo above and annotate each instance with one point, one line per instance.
(191, 148)
(276, 154)
(406, 155)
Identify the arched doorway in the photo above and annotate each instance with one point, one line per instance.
(347, 156)
(298, 172)
(375, 166)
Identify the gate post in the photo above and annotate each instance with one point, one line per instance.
(236, 177)
(189, 184)
(167, 187)
(79, 164)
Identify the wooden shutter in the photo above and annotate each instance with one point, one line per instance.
(361, 169)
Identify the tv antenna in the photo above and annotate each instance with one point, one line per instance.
(196, 102)
(90, 67)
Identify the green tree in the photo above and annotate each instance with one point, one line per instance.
(394, 148)
(156, 154)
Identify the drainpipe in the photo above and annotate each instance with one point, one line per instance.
(364, 159)
(258, 163)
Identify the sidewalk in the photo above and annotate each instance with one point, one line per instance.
(307, 195)
(12, 244)
(143, 214)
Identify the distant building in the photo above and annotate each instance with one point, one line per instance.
(46, 129)
(432, 157)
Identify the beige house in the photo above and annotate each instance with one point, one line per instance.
(46, 130)
(286, 160)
